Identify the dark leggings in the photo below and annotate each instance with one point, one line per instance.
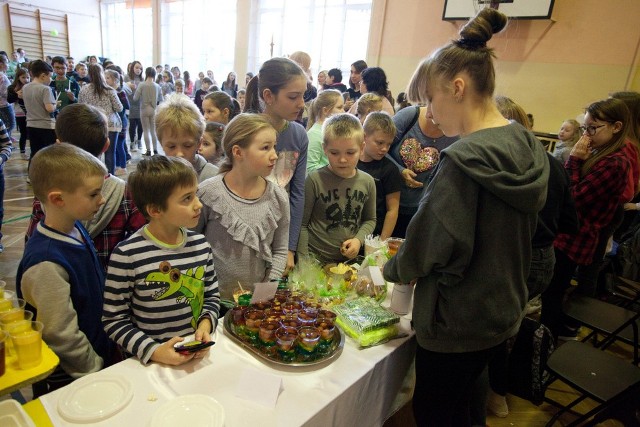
(21, 121)
(444, 385)
(552, 315)
(135, 130)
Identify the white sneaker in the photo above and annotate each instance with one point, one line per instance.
(497, 404)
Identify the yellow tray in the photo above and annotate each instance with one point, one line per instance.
(15, 378)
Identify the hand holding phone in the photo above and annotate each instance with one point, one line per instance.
(193, 346)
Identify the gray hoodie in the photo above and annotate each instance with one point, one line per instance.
(469, 244)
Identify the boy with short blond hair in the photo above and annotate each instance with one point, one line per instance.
(60, 275)
(379, 132)
(161, 284)
(339, 200)
(85, 126)
(180, 130)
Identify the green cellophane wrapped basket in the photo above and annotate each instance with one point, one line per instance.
(366, 321)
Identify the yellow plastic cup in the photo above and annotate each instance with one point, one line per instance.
(27, 342)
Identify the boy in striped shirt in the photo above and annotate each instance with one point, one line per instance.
(161, 284)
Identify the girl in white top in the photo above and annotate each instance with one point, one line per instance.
(327, 103)
(245, 217)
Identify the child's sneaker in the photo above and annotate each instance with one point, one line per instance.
(497, 404)
(148, 153)
(133, 147)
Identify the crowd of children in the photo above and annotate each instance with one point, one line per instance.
(133, 267)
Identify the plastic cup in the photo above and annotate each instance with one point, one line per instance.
(394, 243)
(267, 335)
(307, 317)
(252, 320)
(27, 342)
(10, 304)
(291, 307)
(12, 316)
(285, 339)
(308, 340)
(291, 320)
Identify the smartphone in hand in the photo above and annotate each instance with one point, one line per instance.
(192, 346)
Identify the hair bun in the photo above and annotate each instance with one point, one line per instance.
(479, 30)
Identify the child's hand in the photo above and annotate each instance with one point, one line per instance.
(350, 248)
(70, 95)
(291, 263)
(630, 207)
(167, 354)
(409, 179)
(582, 149)
(203, 334)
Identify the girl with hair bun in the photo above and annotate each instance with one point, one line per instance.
(468, 246)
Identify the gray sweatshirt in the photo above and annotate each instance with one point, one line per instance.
(469, 244)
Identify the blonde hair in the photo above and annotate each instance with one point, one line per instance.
(240, 131)
(325, 99)
(303, 59)
(62, 166)
(367, 103)
(179, 114)
(379, 121)
(576, 132)
(512, 111)
(342, 125)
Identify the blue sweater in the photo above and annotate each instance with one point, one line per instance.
(86, 279)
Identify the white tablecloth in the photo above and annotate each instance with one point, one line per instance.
(356, 389)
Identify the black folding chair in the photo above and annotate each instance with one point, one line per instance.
(612, 321)
(596, 374)
(601, 376)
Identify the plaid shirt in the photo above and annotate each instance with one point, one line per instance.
(126, 221)
(597, 196)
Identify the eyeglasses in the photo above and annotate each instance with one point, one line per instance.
(591, 130)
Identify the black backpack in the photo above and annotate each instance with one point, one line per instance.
(528, 376)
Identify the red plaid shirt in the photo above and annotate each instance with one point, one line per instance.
(597, 195)
(126, 221)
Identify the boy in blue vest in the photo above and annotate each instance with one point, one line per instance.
(60, 275)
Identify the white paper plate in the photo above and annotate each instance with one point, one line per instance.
(189, 410)
(12, 415)
(95, 397)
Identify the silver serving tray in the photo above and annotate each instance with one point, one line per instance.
(336, 348)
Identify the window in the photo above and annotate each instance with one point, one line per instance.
(334, 32)
(127, 34)
(199, 35)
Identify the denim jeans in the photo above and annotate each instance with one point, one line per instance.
(541, 270)
(110, 154)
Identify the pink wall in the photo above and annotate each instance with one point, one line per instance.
(552, 67)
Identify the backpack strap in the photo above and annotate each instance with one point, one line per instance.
(411, 124)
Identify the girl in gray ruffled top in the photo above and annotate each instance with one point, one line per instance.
(245, 217)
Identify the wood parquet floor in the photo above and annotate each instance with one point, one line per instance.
(17, 205)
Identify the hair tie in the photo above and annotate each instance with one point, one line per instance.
(471, 44)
